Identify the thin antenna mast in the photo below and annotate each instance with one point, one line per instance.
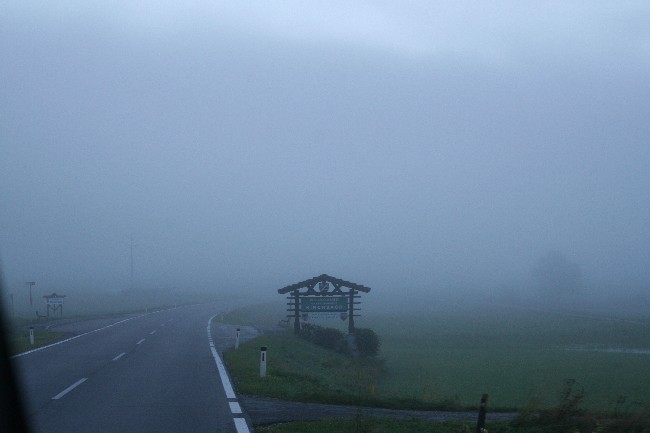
(131, 245)
(30, 284)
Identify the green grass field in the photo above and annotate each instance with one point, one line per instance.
(373, 425)
(19, 339)
(301, 371)
(520, 357)
(516, 356)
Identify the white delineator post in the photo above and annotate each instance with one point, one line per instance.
(31, 335)
(237, 339)
(263, 361)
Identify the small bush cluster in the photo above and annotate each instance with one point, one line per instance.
(329, 338)
(367, 342)
(568, 416)
(332, 339)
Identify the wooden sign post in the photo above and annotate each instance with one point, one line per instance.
(321, 297)
(54, 302)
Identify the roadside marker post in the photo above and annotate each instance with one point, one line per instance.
(263, 361)
(31, 335)
(480, 424)
(237, 340)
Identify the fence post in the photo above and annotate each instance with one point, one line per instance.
(480, 424)
(263, 361)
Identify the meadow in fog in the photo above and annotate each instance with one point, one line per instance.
(522, 357)
(482, 169)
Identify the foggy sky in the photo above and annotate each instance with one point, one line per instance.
(256, 144)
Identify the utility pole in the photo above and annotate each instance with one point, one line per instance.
(131, 262)
(30, 284)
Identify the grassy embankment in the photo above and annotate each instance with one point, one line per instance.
(519, 357)
(374, 425)
(19, 336)
(445, 360)
(522, 358)
(301, 371)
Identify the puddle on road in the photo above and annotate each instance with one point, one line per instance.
(603, 349)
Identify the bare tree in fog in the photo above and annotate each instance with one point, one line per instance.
(556, 274)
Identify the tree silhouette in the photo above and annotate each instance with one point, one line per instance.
(556, 274)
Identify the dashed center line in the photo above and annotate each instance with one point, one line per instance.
(241, 426)
(70, 388)
(139, 342)
(119, 356)
(234, 407)
(152, 332)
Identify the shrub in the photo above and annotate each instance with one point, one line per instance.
(329, 338)
(307, 331)
(367, 341)
(566, 416)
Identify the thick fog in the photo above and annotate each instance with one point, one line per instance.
(412, 147)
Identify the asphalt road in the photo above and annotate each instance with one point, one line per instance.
(151, 373)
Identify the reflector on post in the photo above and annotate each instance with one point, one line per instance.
(263, 361)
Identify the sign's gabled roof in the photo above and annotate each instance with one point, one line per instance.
(323, 278)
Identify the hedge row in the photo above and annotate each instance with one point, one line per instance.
(332, 339)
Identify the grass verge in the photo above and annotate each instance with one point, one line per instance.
(298, 370)
(377, 425)
(452, 353)
(515, 355)
(19, 339)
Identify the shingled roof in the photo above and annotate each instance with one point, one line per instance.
(336, 282)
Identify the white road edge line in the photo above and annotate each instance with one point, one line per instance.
(234, 407)
(240, 423)
(70, 388)
(119, 356)
(230, 393)
(72, 338)
(241, 426)
(139, 342)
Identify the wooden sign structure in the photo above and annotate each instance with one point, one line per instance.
(54, 302)
(324, 294)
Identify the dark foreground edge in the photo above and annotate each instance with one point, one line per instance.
(265, 410)
(12, 415)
